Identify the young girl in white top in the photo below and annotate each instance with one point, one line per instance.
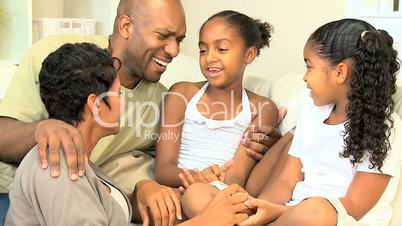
(344, 163)
(203, 123)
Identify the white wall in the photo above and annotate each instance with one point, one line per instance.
(46, 8)
(103, 11)
(293, 21)
(15, 37)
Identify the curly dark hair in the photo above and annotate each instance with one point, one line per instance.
(70, 74)
(372, 83)
(253, 31)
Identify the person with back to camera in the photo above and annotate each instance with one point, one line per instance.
(344, 162)
(72, 82)
(203, 123)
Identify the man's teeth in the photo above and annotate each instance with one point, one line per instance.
(160, 62)
(214, 69)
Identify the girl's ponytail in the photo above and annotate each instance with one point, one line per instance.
(265, 33)
(370, 98)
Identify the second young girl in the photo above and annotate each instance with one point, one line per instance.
(344, 162)
(204, 123)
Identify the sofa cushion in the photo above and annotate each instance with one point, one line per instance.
(287, 91)
(258, 85)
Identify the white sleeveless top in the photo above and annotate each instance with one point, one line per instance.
(205, 141)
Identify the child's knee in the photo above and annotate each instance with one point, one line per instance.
(313, 211)
(196, 197)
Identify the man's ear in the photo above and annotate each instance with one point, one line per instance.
(251, 54)
(93, 105)
(124, 22)
(342, 70)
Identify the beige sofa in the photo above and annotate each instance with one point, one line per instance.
(286, 90)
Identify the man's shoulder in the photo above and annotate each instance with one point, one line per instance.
(153, 90)
(159, 87)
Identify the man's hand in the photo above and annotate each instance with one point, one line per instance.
(162, 202)
(259, 139)
(52, 134)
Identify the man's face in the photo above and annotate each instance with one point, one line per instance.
(155, 38)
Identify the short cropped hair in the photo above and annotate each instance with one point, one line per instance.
(70, 74)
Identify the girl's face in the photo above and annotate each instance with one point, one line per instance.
(320, 77)
(223, 54)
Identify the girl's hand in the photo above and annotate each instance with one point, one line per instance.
(214, 172)
(209, 174)
(189, 177)
(267, 212)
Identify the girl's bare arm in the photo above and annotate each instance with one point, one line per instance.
(265, 114)
(364, 192)
(168, 144)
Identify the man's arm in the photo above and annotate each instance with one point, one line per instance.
(21, 110)
(16, 139)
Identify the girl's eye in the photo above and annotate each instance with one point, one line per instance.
(222, 50)
(202, 51)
